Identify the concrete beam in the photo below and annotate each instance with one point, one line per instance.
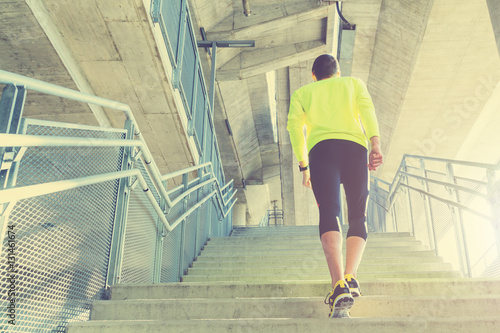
(393, 63)
(294, 33)
(278, 57)
(60, 46)
(494, 9)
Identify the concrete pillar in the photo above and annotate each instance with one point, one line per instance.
(239, 214)
(494, 8)
(258, 202)
(285, 148)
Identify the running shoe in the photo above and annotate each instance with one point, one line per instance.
(353, 285)
(340, 300)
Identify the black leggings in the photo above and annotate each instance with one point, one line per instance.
(333, 162)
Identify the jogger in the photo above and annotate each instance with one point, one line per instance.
(340, 119)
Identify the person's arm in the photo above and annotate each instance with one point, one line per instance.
(295, 127)
(306, 175)
(370, 124)
(376, 158)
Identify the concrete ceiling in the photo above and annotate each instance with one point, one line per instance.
(424, 62)
(431, 66)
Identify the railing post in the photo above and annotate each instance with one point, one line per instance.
(494, 195)
(155, 10)
(120, 223)
(456, 216)
(183, 228)
(198, 215)
(180, 45)
(206, 111)
(409, 211)
(212, 77)
(196, 77)
(160, 237)
(427, 209)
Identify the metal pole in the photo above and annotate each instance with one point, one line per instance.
(460, 237)
(212, 77)
(409, 213)
(180, 45)
(428, 211)
(120, 223)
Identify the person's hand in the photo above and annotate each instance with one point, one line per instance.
(306, 178)
(376, 158)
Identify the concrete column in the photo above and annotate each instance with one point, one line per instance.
(494, 8)
(285, 148)
(239, 214)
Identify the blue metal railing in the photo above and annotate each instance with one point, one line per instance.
(175, 22)
(452, 206)
(89, 203)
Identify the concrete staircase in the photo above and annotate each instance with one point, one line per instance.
(275, 279)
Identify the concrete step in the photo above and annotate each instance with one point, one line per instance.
(305, 255)
(295, 307)
(303, 249)
(319, 277)
(371, 325)
(306, 244)
(298, 239)
(249, 262)
(313, 235)
(314, 269)
(305, 268)
(445, 288)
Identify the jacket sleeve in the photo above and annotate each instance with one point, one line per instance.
(295, 127)
(366, 110)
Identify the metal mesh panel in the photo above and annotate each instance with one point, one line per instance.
(469, 199)
(140, 165)
(209, 144)
(214, 219)
(376, 215)
(401, 211)
(189, 241)
(444, 228)
(46, 164)
(140, 240)
(200, 108)
(418, 215)
(63, 242)
(481, 245)
(203, 227)
(170, 256)
(188, 67)
(170, 17)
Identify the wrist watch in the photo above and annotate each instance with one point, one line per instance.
(303, 168)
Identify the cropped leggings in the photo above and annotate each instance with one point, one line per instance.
(333, 162)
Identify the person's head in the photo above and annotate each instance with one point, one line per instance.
(325, 66)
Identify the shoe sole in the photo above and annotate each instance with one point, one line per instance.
(355, 292)
(342, 305)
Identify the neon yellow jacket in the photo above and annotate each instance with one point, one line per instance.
(335, 108)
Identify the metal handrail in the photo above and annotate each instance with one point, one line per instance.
(18, 193)
(400, 174)
(17, 140)
(21, 140)
(52, 89)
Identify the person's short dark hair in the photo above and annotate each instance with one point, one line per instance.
(324, 66)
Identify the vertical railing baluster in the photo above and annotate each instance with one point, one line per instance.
(427, 209)
(176, 75)
(460, 235)
(115, 259)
